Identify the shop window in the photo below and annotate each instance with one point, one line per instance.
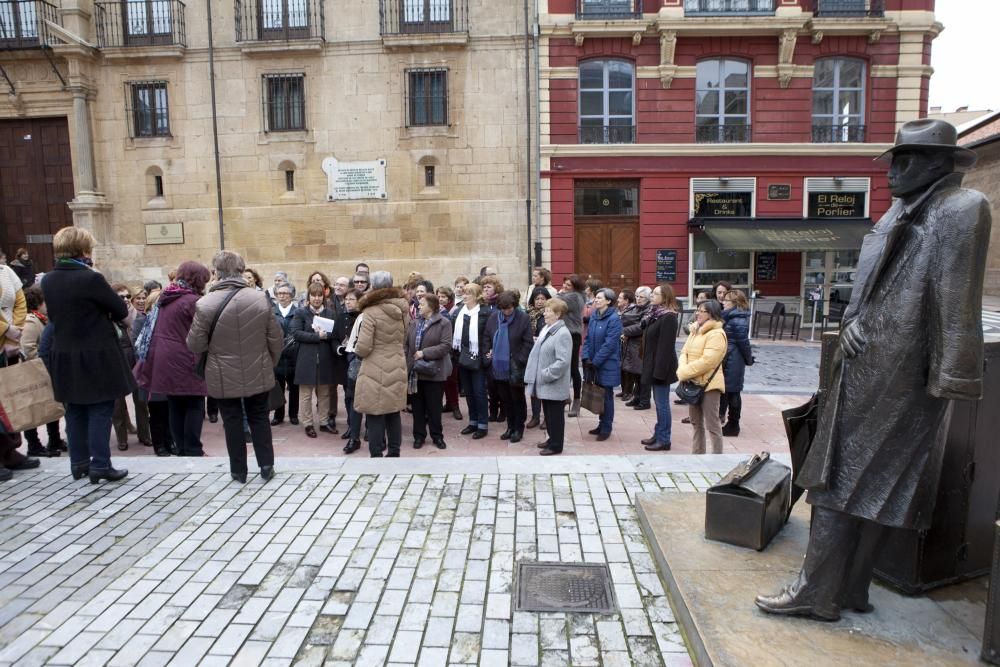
(838, 100)
(606, 199)
(148, 111)
(722, 101)
(607, 102)
(284, 102)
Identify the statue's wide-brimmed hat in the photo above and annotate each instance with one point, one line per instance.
(930, 134)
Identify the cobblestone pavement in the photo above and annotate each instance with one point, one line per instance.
(783, 369)
(327, 566)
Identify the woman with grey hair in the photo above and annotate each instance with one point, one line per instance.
(380, 390)
(601, 362)
(631, 346)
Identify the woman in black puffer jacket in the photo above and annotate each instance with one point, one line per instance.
(736, 320)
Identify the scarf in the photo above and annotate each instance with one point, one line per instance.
(81, 261)
(501, 348)
(421, 324)
(654, 313)
(456, 338)
(284, 311)
(41, 318)
(146, 334)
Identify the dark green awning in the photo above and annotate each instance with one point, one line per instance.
(784, 234)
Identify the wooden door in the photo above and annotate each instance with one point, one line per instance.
(608, 251)
(36, 182)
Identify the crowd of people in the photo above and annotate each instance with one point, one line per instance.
(217, 341)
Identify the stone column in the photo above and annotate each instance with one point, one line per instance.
(83, 146)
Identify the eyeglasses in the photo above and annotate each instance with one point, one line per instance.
(360, 282)
(126, 297)
(288, 294)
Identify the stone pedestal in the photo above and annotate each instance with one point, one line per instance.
(712, 588)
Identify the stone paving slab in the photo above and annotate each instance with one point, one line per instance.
(329, 564)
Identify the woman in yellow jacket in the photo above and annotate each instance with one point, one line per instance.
(701, 362)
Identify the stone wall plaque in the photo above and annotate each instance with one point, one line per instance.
(354, 180)
(166, 233)
(779, 192)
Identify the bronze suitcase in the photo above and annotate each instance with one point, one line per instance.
(749, 506)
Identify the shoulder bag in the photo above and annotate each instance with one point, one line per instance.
(199, 367)
(691, 392)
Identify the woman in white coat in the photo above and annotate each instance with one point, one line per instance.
(548, 374)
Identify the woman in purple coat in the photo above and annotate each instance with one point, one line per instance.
(169, 366)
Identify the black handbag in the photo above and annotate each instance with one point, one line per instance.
(290, 346)
(468, 360)
(199, 367)
(516, 372)
(353, 367)
(691, 392)
(425, 368)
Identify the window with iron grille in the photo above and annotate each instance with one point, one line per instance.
(148, 111)
(839, 100)
(427, 90)
(607, 102)
(284, 102)
(723, 101)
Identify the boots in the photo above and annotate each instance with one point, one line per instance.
(574, 410)
(731, 428)
(35, 447)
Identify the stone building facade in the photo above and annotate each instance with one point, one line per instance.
(983, 137)
(435, 89)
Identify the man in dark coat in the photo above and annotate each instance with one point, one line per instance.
(911, 342)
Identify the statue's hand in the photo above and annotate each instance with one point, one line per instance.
(851, 340)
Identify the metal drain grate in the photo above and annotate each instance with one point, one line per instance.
(559, 587)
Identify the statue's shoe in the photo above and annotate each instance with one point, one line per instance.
(787, 604)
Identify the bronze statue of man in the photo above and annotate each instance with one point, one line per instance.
(911, 342)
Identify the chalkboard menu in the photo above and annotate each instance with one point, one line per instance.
(722, 204)
(767, 266)
(837, 204)
(666, 266)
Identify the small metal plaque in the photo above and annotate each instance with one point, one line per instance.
(562, 587)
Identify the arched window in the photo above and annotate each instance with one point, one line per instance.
(723, 101)
(607, 102)
(838, 100)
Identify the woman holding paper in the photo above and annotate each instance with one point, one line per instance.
(314, 361)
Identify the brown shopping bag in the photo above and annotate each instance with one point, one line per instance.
(592, 398)
(26, 399)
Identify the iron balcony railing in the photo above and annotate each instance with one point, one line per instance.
(278, 20)
(606, 10)
(723, 134)
(838, 134)
(22, 23)
(408, 17)
(607, 134)
(140, 23)
(728, 7)
(837, 8)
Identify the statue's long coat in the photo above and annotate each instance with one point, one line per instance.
(918, 300)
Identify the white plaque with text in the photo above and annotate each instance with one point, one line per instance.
(354, 180)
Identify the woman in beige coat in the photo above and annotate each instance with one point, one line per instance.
(380, 392)
(701, 362)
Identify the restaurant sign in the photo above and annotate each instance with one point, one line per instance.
(723, 204)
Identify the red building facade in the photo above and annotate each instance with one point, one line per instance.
(691, 141)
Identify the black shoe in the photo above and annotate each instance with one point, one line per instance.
(352, 446)
(649, 441)
(686, 420)
(622, 394)
(7, 475)
(601, 437)
(310, 432)
(632, 403)
(731, 429)
(36, 449)
(658, 447)
(549, 452)
(468, 429)
(457, 413)
(392, 454)
(494, 417)
(329, 429)
(109, 474)
(213, 419)
(418, 443)
(294, 421)
(515, 436)
(267, 473)
(678, 401)
(276, 421)
(79, 470)
(594, 431)
(642, 406)
(505, 435)
(543, 445)
(24, 463)
(161, 451)
(346, 435)
(240, 477)
(53, 450)
(63, 445)
(479, 435)
(533, 423)
(439, 443)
